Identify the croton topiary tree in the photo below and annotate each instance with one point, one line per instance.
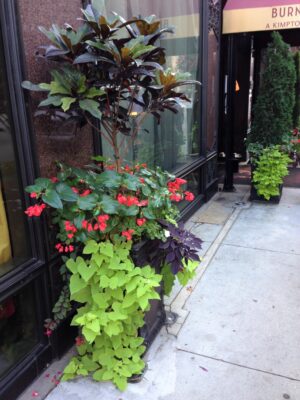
(273, 110)
(106, 70)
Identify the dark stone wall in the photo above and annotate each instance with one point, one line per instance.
(53, 142)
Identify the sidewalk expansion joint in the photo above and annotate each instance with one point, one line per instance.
(239, 365)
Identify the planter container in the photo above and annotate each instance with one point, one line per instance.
(155, 318)
(254, 196)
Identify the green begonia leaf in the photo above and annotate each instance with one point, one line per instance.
(52, 199)
(65, 192)
(87, 202)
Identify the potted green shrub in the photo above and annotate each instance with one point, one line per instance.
(108, 72)
(273, 110)
(269, 171)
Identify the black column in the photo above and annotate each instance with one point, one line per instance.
(229, 89)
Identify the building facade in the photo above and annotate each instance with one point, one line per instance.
(185, 144)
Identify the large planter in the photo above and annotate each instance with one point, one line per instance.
(254, 196)
(154, 318)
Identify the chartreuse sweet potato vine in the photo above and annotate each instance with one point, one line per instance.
(115, 295)
(270, 170)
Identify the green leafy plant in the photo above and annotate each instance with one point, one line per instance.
(273, 110)
(108, 73)
(115, 294)
(110, 70)
(270, 169)
(296, 111)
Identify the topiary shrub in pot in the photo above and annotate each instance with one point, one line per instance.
(273, 110)
(105, 71)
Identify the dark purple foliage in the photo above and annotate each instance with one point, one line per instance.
(180, 246)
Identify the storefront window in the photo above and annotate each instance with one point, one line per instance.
(174, 142)
(192, 185)
(18, 333)
(13, 237)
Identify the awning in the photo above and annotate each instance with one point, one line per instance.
(260, 15)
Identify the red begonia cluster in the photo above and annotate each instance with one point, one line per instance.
(36, 210)
(131, 200)
(70, 228)
(175, 187)
(61, 248)
(100, 225)
(128, 234)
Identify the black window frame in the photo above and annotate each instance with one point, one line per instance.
(35, 270)
(27, 166)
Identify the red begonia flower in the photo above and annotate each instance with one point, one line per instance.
(36, 210)
(128, 234)
(189, 196)
(141, 221)
(79, 341)
(143, 203)
(85, 193)
(175, 197)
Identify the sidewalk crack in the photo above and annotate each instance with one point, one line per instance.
(238, 365)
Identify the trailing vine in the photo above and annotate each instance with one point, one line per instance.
(269, 172)
(115, 294)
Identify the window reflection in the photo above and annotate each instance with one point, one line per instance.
(176, 140)
(192, 185)
(13, 237)
(18, 332)
(212, 79)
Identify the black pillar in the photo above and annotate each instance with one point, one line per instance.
(229, 92)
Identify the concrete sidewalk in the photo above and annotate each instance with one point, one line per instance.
(238, 332)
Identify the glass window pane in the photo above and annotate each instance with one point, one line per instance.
(214, 17)
(176, 140)
(192, 185)
(212, 82)
(13, 244)
(18, 333)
